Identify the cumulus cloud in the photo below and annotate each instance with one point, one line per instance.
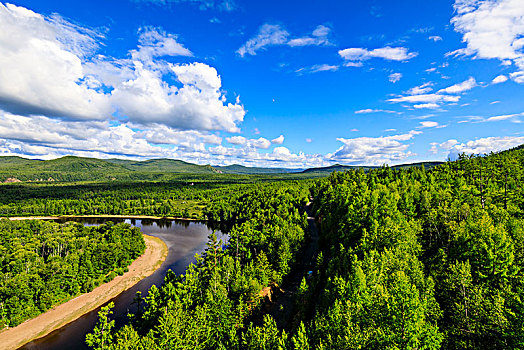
(374, 150)
(41, 68)
(259, 143)
(280, 156)
(355, 55)
(198, 104)
(236, 140)
(394, 77)
(499, 79)
(279, 140)
(49, 67)
(164, 135)
(44, 136)
(435, 38)
(492, 29)
(155, 42)
(428, 124)
(275, 34)
(483, 145)
(426, 106)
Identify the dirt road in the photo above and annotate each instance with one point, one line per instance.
(283, 307)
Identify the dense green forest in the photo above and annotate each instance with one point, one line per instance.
(43, 264)
(408, 259)
(211, 304)
(186, 197)
(416, 259)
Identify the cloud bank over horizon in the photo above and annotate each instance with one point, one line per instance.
(157, 89)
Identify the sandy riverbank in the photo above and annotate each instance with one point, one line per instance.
(18, 218)
(59, 316)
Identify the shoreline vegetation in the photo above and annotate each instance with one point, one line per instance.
(65, 313)
(137, 217)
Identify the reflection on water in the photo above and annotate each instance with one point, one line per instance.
(183, 238)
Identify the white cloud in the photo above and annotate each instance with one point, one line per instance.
(428, 124)
(164, 135)
(49, 67)
(426, 105)
(499, 79)
(275, 34)
(318, 37)
(460, 87)
(198, 104)
(46, 138)
(492, 30)
(259, 143)
(50, 138)
(518, 76)
(236, 140)
(317, 68)
(41, 67)
(268, 34)
(394, 77)
(421, 89)
(512, 117)
(155, 42)
(435, 38)
(374, 150)
(485, 145)
(252, 143)
(280, 156)
(357, 55)
(448, 144)
(369, 110)
(323, 68)
(279, 140)
(426, 98)
(420, 97)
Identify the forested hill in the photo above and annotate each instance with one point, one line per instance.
(164, 166)
(70, 168)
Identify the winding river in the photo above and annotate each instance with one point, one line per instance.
(183, 238)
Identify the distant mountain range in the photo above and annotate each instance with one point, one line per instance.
(70, 168)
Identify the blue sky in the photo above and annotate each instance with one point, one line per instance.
(272, 83)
